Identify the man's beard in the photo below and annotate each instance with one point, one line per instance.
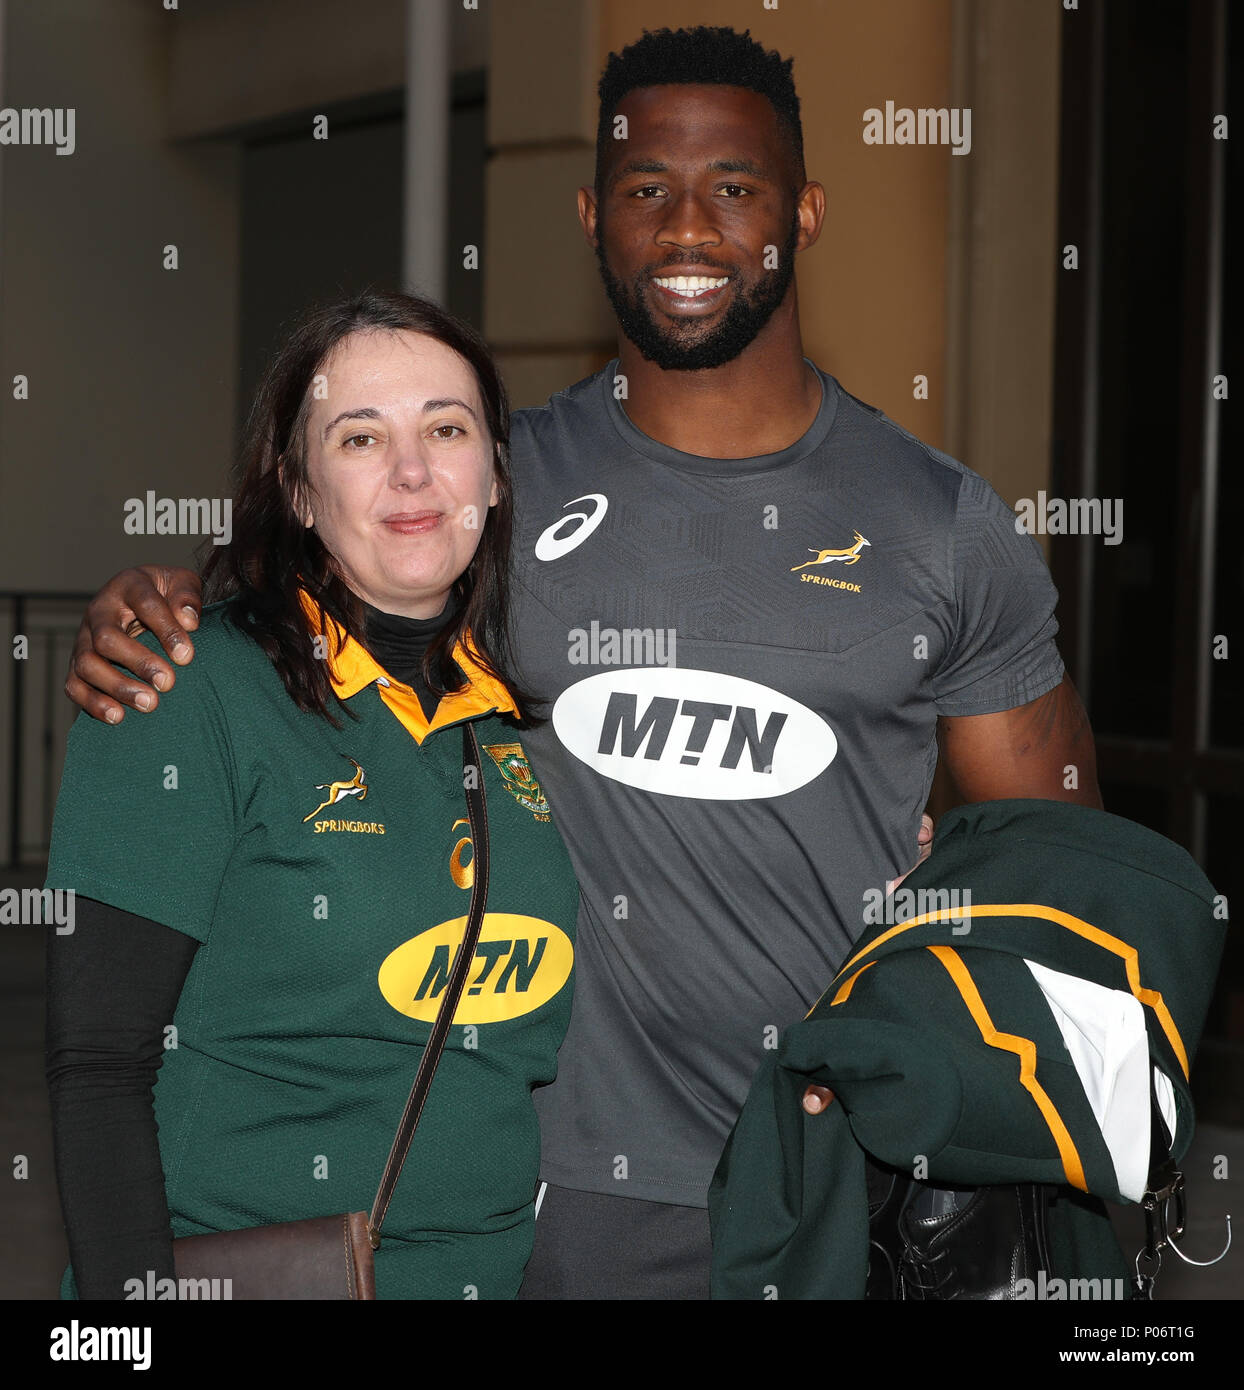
(693, 350)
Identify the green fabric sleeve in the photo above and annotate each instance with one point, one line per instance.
(146, 818)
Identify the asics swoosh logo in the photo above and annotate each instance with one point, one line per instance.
(556, 541)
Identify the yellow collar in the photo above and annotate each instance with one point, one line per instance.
(353, 668)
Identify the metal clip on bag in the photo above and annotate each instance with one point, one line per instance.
(331, 1257)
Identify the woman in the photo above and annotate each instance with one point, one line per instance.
(308, 784)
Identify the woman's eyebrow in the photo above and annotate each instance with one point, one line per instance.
(369, 412)
(444, 402)
(363, 412)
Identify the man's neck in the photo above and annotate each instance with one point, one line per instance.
(760, 403)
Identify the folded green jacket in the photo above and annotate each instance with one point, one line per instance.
(1024, 994)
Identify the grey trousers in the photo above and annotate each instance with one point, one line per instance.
(595, 1246)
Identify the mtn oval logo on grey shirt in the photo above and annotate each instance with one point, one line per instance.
(701, 734)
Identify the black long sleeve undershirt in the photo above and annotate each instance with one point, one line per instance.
(112, 989)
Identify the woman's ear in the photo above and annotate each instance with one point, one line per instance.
(302, 508)
(495, 495)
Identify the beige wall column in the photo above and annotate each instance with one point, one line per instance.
(544, 311)
(1002, 258)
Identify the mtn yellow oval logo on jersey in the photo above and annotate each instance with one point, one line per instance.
(520, 963)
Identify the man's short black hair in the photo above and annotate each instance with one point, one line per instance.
(701, 55)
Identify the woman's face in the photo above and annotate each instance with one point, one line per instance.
(401, 468)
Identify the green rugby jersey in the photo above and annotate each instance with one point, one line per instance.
(326, 873)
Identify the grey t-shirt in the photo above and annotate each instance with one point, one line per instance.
(744, 661)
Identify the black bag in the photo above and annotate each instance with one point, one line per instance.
(935, 1244)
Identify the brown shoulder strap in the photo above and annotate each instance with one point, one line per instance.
(477, 814)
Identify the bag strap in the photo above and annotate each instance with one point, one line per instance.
(477, 815)
(1165, 1184)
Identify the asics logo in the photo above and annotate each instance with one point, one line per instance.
(552, 545)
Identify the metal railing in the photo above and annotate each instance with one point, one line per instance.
(36, 718)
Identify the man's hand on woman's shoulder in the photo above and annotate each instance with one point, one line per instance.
(160, 599)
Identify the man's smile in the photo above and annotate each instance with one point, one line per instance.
(695, 295)
(690, 286)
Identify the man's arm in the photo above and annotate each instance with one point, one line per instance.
(1043, 749)
(163, 600)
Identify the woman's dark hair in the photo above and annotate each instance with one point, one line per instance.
(273, 554)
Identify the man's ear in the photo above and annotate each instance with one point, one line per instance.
(587, 214)
(810, 211)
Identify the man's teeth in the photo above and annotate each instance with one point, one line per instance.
(691, 286)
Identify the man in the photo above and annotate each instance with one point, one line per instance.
(782, 601)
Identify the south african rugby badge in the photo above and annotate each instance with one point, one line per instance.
(520, 781)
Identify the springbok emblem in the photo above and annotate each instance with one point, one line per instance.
(338, 791)
(848, 556)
